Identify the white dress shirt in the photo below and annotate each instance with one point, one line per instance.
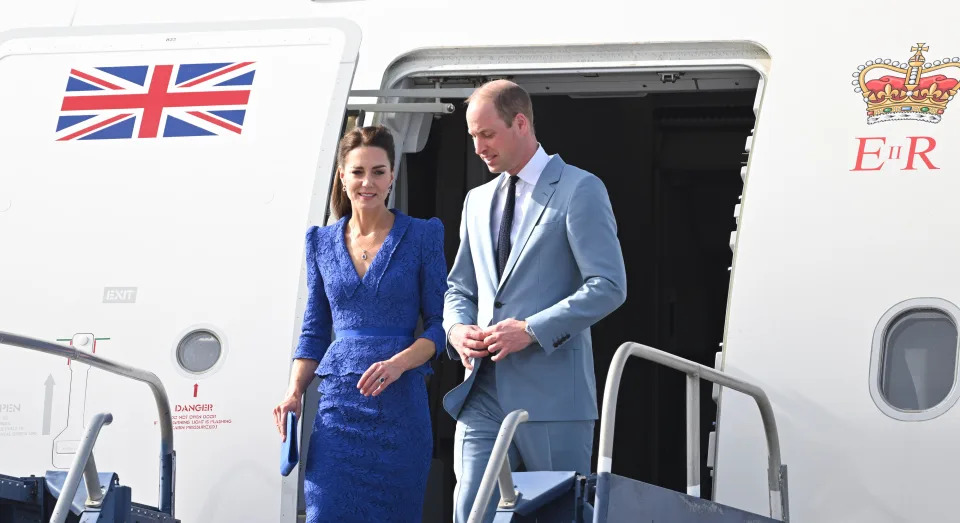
(528, 175)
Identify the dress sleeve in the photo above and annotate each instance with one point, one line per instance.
(315, 335)
(433, 284)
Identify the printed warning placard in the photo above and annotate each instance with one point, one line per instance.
(21, 414)
(12, 421)
(198, 416)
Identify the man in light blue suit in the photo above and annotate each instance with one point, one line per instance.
(539, 263)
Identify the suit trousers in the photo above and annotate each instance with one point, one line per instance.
(543, 445)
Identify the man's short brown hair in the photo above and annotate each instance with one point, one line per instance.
(509, 99)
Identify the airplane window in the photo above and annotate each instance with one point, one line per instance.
(919, 360)
(916, 369)
(199, 351)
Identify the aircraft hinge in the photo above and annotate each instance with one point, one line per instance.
(671, 77)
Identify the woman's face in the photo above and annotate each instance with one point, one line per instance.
(367, 175)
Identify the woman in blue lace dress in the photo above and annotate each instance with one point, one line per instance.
(370, 276)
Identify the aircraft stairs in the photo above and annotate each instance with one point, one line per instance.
(606, 497)
(541, 496)
(58, 496)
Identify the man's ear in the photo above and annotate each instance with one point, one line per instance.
(520, 121)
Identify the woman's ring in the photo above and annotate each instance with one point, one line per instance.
(382, 379)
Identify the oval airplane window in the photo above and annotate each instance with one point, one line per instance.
(914, 367)
(199, 351)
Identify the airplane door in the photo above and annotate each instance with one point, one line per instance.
(156, 185)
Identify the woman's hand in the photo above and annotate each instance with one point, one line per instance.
(290, 403)
(379, 376)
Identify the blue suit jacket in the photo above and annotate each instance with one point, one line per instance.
(565, 273)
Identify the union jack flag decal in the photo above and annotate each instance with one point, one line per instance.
(150, 101)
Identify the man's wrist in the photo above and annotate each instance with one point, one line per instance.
(450, 332)
(529, 330)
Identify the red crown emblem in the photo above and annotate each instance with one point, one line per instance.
(915, 90)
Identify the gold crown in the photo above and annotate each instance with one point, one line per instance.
(915, 91)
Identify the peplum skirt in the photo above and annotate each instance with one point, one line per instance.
(369, 457)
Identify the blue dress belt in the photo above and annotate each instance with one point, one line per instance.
(375, 331)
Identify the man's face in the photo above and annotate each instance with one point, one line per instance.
(496, 144)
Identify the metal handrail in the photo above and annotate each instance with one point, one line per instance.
(498, 469)
(83, 465)
(167, 454)
(776, 471)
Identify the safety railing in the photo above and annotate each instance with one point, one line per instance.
(85, 466)
(167, 454)
(498, 470)
(776, 471)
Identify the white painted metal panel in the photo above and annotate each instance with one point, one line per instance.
(823, 251)
(208, 230)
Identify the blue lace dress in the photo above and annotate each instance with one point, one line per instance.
(368, 457)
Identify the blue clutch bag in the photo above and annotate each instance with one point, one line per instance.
(289, 449)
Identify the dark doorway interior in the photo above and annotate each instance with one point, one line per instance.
(671, 164)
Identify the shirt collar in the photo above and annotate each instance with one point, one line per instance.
(530, 172)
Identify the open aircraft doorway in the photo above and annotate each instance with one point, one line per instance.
(670, 149)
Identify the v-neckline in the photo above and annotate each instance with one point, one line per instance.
(376, 256)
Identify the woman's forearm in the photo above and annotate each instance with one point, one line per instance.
(420, 352)
(301, 375)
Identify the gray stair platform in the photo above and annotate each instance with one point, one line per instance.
(544, 496)
(623, 499)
